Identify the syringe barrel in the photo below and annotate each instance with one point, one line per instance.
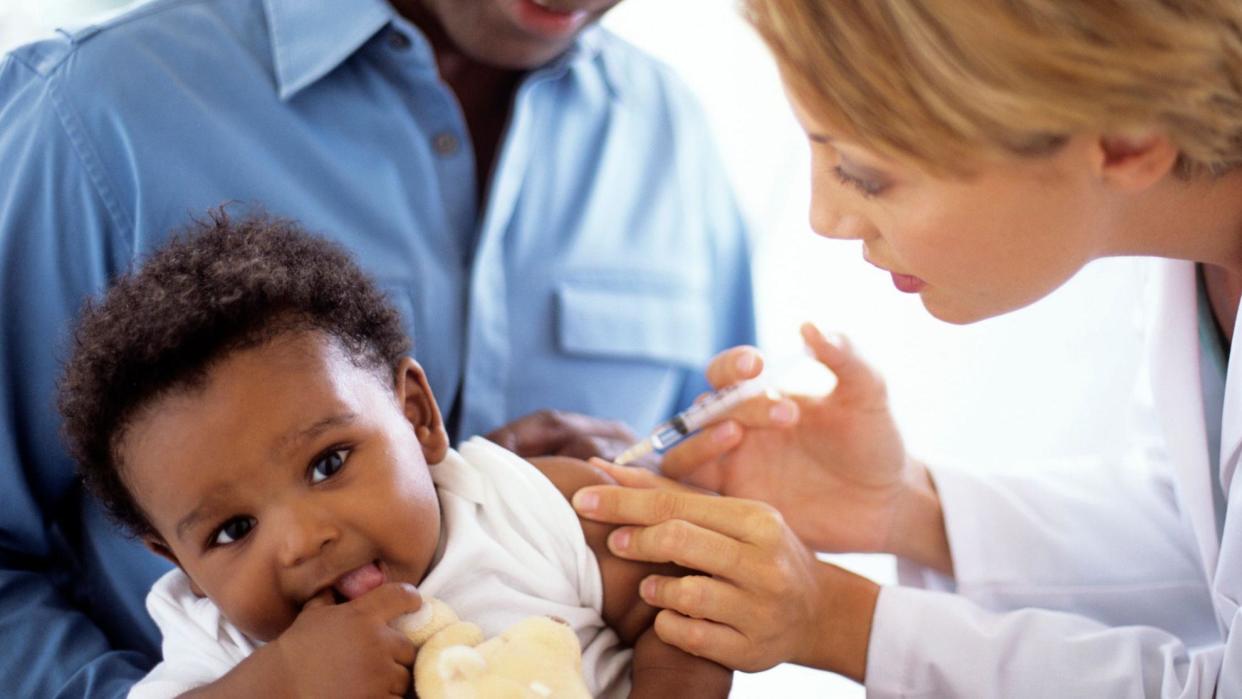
(668, 433)
(719, 403)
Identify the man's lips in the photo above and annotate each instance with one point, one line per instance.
(547, 20)
(359, 581)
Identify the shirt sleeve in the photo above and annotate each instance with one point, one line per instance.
(1081, 580)
(53, 226)
(197, 650)
(1100, 538)
(931, 644)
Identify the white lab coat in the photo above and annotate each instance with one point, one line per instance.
(1098, 579)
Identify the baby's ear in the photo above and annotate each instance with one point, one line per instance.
(157, 546)
(419, 406)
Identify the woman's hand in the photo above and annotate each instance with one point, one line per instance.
(763, 598)
(834, 465)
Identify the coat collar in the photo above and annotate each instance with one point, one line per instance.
(1179, 401)
(1231, 414)
(1178, 393)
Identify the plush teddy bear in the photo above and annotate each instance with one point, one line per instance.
(536, 658)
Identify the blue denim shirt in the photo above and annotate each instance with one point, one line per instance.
(607, 265)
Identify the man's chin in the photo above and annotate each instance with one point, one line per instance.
(514, 55)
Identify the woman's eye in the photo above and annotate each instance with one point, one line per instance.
(868, 188)
(327, 465)
(233, 530)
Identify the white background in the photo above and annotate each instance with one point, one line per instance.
(1044, 382)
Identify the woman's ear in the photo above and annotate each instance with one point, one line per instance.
(419, 407)
(1134, 162)
(157, 546)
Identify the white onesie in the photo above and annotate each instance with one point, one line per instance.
(512, 548)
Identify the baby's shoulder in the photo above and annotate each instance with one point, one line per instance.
(569, 474)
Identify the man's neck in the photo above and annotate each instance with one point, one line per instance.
(484, 92)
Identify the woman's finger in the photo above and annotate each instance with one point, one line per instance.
(766, 410)
(733, 365)
(634, 477)
(744, 520)
(696, 596)
(836, 353)
(701, 449)
(685, 544)
(707, 639)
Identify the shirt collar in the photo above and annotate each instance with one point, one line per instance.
(310, 38)
(586, 51)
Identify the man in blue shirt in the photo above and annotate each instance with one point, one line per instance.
(538, 197)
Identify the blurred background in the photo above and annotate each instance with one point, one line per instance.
(1038, 384)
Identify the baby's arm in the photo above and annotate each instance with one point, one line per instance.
(659, 670)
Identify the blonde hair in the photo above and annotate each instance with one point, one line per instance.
(942, 81)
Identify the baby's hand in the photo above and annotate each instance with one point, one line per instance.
(349, 649)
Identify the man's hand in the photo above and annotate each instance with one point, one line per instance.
(556, 433)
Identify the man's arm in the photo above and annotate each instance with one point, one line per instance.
(55, 243)
(659, 670)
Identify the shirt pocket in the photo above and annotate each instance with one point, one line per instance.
(657, 323)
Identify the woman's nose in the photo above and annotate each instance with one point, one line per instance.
(839, 226)
(305, 533)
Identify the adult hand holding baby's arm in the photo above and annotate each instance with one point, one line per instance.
(833, 465)
(331, 650)
(762, 598)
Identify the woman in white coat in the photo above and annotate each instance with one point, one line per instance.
(983, 151)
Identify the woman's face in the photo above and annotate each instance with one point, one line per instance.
(971, 247)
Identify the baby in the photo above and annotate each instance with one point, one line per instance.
(244, 404)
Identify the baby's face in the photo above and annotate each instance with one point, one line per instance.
(291, 474)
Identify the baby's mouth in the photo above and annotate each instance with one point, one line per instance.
(358, 582)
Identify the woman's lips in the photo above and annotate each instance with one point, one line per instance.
(908, 283)
(359, 581)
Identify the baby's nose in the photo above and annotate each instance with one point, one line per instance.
(304, 536)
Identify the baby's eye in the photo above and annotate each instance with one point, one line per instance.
(327, 465)
(233, 530)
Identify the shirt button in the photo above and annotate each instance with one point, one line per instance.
(398, 40)
(445, 143)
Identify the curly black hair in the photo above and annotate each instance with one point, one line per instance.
(221, 285)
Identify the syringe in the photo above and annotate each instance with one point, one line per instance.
(690, 420)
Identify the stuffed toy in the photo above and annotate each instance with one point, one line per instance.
(536, 658)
